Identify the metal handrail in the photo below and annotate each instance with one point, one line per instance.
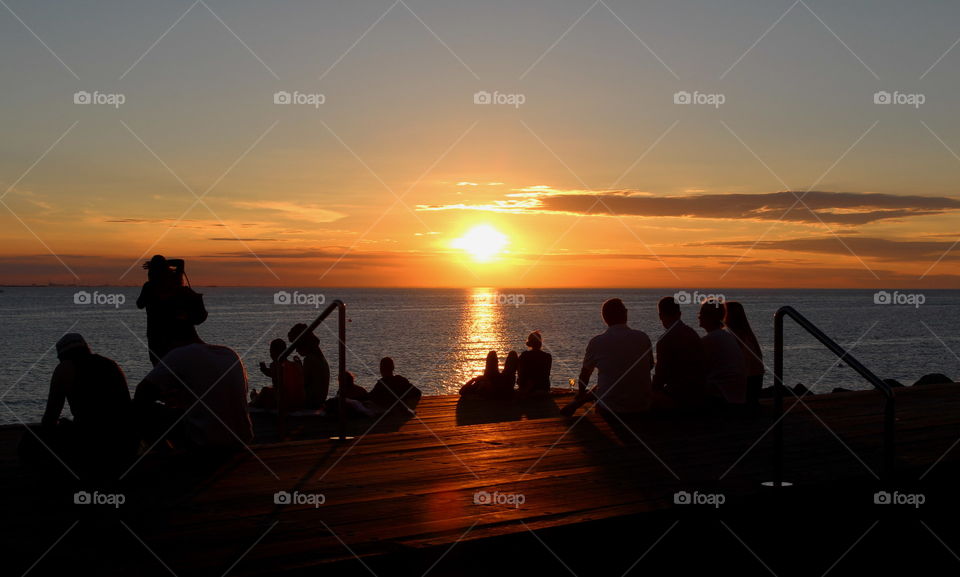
(889, 404)
(341, 362)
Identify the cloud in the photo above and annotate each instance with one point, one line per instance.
(293, 210)
(840, 208)
(864, 247)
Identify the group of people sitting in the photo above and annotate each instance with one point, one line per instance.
(722, 368)
(194, 399)
(525, 375)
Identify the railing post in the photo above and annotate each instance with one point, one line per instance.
(778, 399)
(342, 369)
(889, 454)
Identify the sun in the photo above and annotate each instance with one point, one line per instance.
(482, 242)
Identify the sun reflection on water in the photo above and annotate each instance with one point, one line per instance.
(482, 329)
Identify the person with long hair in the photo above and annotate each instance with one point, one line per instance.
(735, 318)
(533, 373)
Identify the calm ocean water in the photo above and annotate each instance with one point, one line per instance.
(440, 337)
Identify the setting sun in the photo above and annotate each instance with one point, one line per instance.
(482, 242)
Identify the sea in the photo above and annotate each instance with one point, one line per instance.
(439, 337)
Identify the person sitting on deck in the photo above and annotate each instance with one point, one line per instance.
(486, 381)
(533, 374)
(736, 320)
(197, 396)
(101, 431)
(679, 369)
(726, 369)
(392, 391)
(292, 396)
(623, 358)
(316, 370)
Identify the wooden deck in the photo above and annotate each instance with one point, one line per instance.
(401, 498)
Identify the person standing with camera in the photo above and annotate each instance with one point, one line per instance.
(170, 302)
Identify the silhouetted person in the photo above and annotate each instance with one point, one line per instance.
(502, 387)
(491, 373)
(170, 303)
(292, 396)
(680, 368)
(349, 388)
(96, 389)
(726, 375)
(393, 391)
(533, 374)
(736, 320)
(316, 369)
(623, 358)
(203, 389)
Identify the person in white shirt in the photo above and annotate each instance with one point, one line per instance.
(194, 369)
(726, 366)
(623, 358)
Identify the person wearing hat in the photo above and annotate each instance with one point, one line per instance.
(533, 375)
(96, 390)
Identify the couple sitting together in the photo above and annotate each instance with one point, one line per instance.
(720, 369)
(524, 376)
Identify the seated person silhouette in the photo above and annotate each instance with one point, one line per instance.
(726, 369)
(393, 392)
(316, 369)
(197, 396)
(101, 432)
(292, 396)
(533, 372)
(486, 381)
(623, 358)
(679, 369)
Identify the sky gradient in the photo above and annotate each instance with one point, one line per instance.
(789, 168)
